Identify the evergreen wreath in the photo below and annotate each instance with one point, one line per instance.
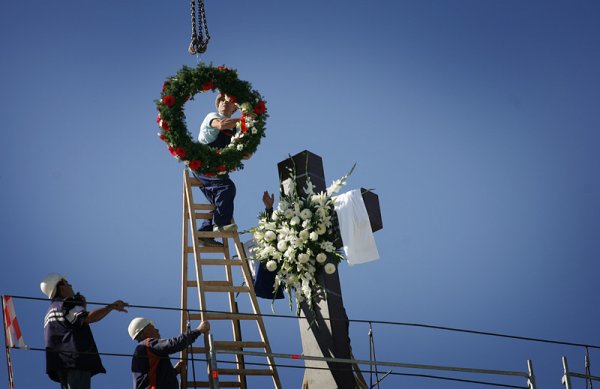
(201, 158)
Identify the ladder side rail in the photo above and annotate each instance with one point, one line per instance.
(255, 307)
(233, 307)
(184, 278)
(566, 378)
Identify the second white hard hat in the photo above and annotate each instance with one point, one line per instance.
(49, 283)
(136, 326)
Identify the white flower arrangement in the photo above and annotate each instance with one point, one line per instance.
(296, 240)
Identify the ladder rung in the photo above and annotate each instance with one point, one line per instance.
(244, 372)
(199, 350)
(194, 181)
(215, 234)
(220, 262)
(237, 345)
(226, 289)
(206, 384)
(224, 316)
(203, 207)
(205, 249)
(203, 215)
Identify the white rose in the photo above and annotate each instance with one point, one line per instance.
(321, 257)
(304, 234)
(321, 229)
(313, 236)
(295, 221)
(281, 245)
(270, 236)
(306, 214)
(288, 213)
(330, 268)
(303, 258)
(271, 265)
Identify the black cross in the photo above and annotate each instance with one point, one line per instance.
(326, 338)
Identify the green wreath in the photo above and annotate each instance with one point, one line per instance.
(201, 158)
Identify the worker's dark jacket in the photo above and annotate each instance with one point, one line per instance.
(69, 340)
(151, 366)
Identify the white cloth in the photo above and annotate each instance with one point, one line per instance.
(355, 228)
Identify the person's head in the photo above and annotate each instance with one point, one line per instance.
(140, 329)
(55, 285)
(225, 106)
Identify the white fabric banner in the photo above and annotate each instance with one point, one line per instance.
(355, 228)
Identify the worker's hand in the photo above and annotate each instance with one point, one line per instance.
(179, 366)
(119, 305)
(204, 327)
(268, 200)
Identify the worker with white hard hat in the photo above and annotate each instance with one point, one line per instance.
(71, 353)
(151, 366)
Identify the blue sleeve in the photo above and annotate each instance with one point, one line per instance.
(165, 347)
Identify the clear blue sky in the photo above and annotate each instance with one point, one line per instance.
(475, 121)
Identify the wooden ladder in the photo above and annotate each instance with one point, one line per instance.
(206, 265)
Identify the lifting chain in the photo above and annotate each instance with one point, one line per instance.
(199, 39)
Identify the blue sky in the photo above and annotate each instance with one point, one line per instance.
(475, 121)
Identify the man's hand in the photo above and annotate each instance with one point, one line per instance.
(204, 327)
(268, 200)
(119, 305)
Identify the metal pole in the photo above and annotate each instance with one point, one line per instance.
(11, 378)
(566, 379)
(213, 362)
(531, 379)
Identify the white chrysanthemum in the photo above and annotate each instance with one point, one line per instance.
(321, 257)
(330, 268)
(281, 245)
(288, 213)
(271, 265)
(295, 221)
(304, 234)
(321, 229)
(305, 214)
(313, 236)
(303, 258)
(270, 236)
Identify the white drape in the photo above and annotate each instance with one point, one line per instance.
(355, 228)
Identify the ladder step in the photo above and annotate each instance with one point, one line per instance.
(205, 249)
(194, 181)
(206, 384)
(199, 215)
(237, 345)
(236, 289)
(203, 207)
(220, 262)
(244, 372)
(215, 234)
(199, 350)
(224, 316)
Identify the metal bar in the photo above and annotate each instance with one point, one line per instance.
(213, 362)
(584, 376)
(392, 364)
(566, 379)
(531, 380)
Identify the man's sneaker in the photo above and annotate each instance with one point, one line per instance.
(209, 242)
(225, 228)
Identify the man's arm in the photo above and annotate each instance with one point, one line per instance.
(164, 347)
(100, 313)
(224, 124)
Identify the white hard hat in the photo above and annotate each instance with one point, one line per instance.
(49, 283)
(136, 326)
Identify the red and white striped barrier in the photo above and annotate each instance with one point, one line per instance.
(11, 324)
